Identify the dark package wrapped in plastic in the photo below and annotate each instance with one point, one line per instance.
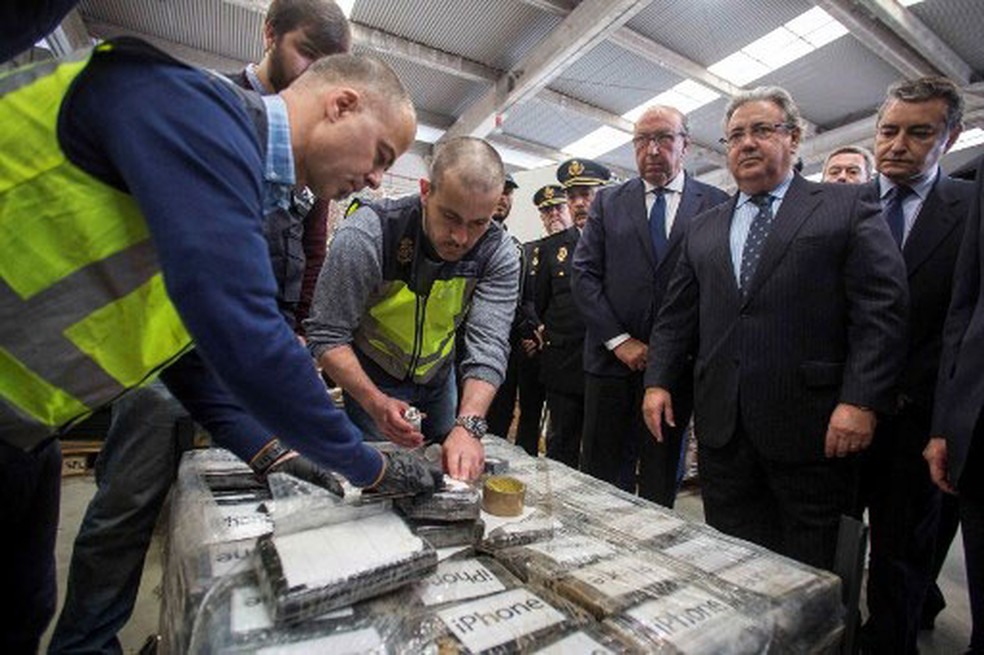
(235, 619)
(804, 602)
(308, 573)
(542, 562)
(448, 535)
(706, 549)
(612, 585)
(539, 526)
(513, 621)
(458, 501)
(693, 620)
(595, 639)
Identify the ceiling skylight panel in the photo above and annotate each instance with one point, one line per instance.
(602, 140)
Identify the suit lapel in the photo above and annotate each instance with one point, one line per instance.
(935, 221)
(687, 209)
(800, 201)
(719, 226)
(634, 198)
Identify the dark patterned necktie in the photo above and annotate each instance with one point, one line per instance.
(657, 225)
(757, 234)
(894, 214)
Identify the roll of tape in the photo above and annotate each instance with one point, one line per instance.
(503, 496)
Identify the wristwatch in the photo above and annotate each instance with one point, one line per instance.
(474, 425)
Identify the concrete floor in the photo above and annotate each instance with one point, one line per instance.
(951, 635)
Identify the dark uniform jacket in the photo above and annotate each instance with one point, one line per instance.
(561, 364)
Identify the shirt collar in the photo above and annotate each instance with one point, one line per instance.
(675, 185)
(777, 194)
(279, 168)
(921, 186)
(254, 80)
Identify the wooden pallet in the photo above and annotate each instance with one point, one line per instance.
(79, 457)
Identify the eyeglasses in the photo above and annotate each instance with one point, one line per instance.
(661, 139)
(759, 132)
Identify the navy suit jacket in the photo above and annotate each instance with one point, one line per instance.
(823, 321)
(930, 255)
(618, 284)
(960, 390)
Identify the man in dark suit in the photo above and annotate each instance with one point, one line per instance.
(956, 452)
(561, 362)
(621, 269)
(926, 212)
(794, 295)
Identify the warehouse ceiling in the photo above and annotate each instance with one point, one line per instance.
(548, 79)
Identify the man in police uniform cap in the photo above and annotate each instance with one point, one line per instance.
(551, 201)
(561, 365)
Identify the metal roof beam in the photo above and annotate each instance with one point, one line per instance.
(876, 37)
(419, 53)
(189, 54)
(591, 22)
(913, 31)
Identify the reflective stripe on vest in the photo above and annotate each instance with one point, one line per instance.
(407, 334)
(85, 312)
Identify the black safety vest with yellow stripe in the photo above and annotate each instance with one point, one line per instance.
(409, 326)
(85, 312)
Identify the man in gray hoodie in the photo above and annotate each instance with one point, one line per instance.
(400, 277)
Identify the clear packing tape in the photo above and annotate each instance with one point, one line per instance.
(288, 568)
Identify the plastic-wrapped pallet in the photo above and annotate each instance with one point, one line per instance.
(543, 561)
(613, 585)
(458, 501)
(639, 526)
(693, 620)
(705, 549)
(595, 639)
(516, 620)
(804, 602)
(217, 514)
(235, 619)
(538, 526)
(308, 573)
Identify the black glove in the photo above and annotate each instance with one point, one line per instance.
(303, 468)
(408, 473)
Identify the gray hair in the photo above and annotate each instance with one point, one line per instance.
(869, 159)
(472, 161)
(925, 89)
(776, 95)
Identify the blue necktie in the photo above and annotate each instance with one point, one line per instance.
(894, 214)
(657, 225)
(754, 242)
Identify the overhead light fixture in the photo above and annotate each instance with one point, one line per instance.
(346, 6)
(800, 36)
(428, 134)
(968, 139)
(602, 140)
(522, 159)
(686, 96)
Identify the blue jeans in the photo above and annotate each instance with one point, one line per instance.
(134, 472)
(30, 485)
(438, 402)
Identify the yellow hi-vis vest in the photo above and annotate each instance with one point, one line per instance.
(409, 327)
(85, 312)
